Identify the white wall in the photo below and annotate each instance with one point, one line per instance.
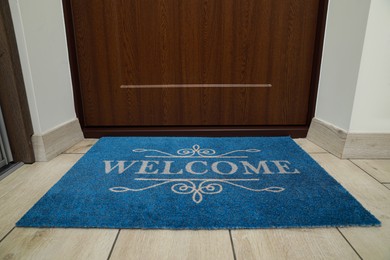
(343, 44)
(371, 109)
(40, 34)
(354, 88)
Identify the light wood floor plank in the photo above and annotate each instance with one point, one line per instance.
(170, 244)
(291, 244)
(308, 146)
(24, 187)
(82, 147)
(369, 242)
(32, 243)
(379, 169)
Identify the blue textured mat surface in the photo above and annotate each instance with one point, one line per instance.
(197, 183)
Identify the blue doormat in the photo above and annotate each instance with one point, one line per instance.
(197, 183)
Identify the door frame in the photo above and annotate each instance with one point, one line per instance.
(291, 130)
(13, 98)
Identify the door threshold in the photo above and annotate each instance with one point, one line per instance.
(9, 168)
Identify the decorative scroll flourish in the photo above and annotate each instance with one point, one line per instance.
(197, 187)
(195, 152)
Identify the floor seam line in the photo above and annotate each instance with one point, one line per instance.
(9, 232)
(113, 244)
(366, 172)
(349, 243)
(232, 244)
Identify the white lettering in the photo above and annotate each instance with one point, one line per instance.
(215, 169)
(120, 165)
(190, 170)
(284, 168)
(167, 168)
(262, 164)
(201, 167)
(147, 165)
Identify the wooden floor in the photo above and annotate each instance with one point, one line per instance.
(367, 180)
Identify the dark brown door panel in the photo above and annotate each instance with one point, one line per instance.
(144, 63)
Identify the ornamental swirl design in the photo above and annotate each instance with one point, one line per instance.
(197, 187)
(195, 152)
(197, 191)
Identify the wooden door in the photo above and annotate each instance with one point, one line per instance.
(195, 63)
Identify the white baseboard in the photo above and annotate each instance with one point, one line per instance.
(349, 145)
(54, 142)
(327, 136)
